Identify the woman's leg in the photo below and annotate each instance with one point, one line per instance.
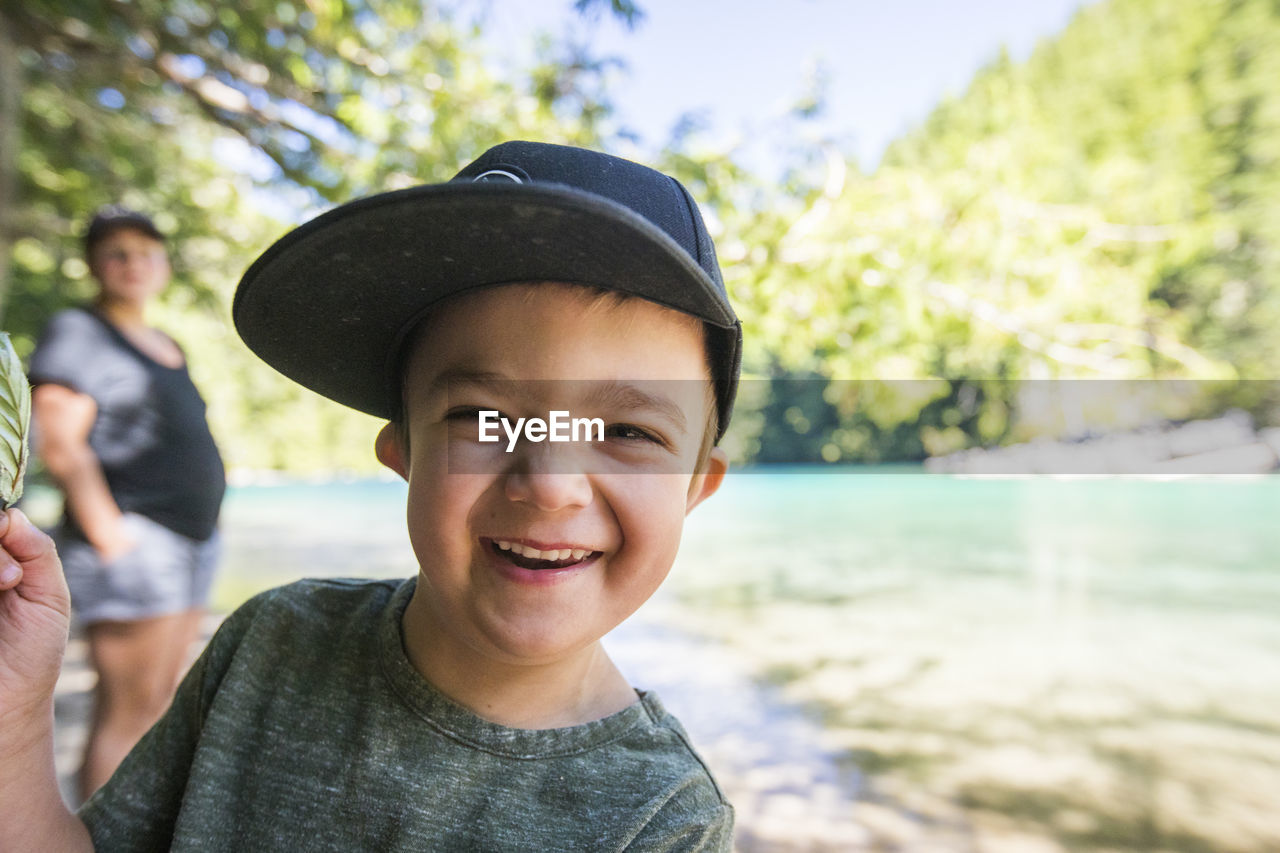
(138, 665)
(188, 634)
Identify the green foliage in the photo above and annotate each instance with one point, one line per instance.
(1142, 149)
(220, 121)
(1109, 208)
(1106, 210)
(625, 10)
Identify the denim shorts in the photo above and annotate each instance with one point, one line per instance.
(164, 572)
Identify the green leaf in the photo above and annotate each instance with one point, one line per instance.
(15, 421)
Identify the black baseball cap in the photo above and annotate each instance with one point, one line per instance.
(111, 218)
(332, 302)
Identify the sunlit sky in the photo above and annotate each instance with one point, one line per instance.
(742, 63)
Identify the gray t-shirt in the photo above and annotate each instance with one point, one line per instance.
(304, 726)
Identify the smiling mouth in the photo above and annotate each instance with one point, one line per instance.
(531, 558)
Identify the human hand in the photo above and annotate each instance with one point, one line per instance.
(117, 542)
(35, 614)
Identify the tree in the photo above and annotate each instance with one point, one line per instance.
(222, 120)
(1107, 209)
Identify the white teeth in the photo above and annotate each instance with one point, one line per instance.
(534, 554)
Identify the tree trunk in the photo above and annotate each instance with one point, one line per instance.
(10, 136)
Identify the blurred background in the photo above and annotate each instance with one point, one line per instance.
(1004, 574)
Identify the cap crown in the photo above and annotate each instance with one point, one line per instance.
(659, 198)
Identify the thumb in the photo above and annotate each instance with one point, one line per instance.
(29, 560)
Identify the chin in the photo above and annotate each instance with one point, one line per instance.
(537, 645)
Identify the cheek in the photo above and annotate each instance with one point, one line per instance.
(440, 510)
(650, 511)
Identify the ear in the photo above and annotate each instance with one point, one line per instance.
(707, 481)
(390, 450)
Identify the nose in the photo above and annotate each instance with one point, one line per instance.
(548, 481)
(132, 263)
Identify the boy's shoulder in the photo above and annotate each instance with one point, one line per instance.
(295, 621)
(326, 621)
(314, 604)
(322, 596)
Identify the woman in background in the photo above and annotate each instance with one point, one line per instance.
(122, 430)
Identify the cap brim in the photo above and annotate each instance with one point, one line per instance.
(330, 303)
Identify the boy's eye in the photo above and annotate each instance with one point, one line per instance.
(460, 413)
(630, 432)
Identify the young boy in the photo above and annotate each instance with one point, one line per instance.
(471, 707)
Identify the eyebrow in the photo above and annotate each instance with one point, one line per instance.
(613, 394)
(442, 383)
(604, 393)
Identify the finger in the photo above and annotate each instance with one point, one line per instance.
(32, 552)
(10, 572)
(23, 540)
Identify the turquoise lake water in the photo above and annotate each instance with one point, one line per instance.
(1170, 579)
(1192, 549)
(1171, 554)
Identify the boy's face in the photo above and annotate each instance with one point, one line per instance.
(613, 510)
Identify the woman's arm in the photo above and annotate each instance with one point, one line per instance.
(63, 419)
